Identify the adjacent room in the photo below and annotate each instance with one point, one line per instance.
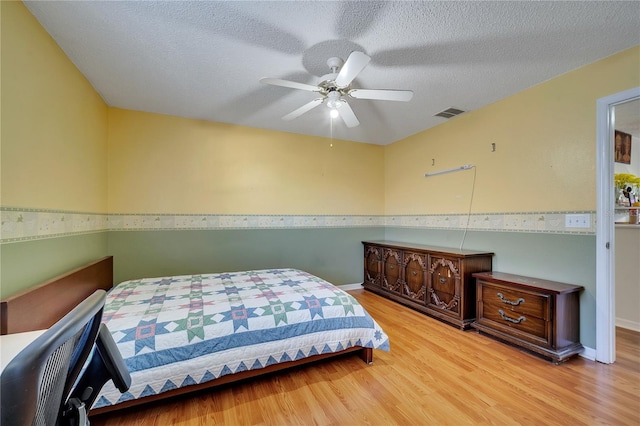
(449, 190)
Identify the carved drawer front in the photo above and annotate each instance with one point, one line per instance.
(415, 276)
(444, 284)
(392, 270)
(372, 262)
(521, 310)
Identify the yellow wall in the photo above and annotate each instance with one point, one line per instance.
(54, 124)
(53, 140)
(545, 153)
(165, 164)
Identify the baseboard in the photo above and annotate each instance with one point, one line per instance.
(629, 325)
(347, 287)
(588, 353)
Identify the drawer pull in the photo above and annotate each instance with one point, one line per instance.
(506, 318)
(391, 267)
(414, 273)
(443, 280)
(509, 302)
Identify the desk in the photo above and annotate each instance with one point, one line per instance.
(12, 344)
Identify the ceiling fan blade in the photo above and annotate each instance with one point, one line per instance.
(348, 115)
(289, 84)
(304, 108)
(351, 68)
(382, 94)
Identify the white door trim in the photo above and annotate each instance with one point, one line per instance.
(605, 235)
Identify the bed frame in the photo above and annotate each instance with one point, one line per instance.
(43, 305)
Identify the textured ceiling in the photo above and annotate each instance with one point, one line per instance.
(204, 59)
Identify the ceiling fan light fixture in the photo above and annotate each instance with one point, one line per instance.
(333, 113)
(333, 100)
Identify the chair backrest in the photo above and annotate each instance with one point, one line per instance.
(36, 384)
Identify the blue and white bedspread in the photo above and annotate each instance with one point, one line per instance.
(178, 331)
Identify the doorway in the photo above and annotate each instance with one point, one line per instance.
(605, 236)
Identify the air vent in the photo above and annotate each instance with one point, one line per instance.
(449, 113)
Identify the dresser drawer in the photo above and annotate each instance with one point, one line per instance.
(444, 285)
(415, 276)
(392, 270)
(444, 274)
(372, 262)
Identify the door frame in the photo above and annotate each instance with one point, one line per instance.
(605, 233)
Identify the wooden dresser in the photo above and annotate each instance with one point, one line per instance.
(437, 281)
(538, 315)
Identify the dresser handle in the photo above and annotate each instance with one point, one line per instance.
(391, 267)
(443, 280)
(509, 302)
(506, 318)
(414, 273)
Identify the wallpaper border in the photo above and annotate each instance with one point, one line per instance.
(31, 224)
(18, 224)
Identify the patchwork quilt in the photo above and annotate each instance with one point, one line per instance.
(179, 331)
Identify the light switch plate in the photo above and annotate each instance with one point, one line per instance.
(577, 221)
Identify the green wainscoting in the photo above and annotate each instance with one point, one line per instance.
(334, 254)
(27, 263)
(557, 257)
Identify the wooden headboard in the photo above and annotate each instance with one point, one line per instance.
(42, 306)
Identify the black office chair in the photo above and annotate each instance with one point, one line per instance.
(40, 386)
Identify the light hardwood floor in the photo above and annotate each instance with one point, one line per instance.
(433, 375)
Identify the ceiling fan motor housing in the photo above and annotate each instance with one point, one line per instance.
(328, 81)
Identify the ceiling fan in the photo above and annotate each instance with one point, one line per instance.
(336, 86)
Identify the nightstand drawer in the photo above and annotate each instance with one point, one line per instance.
(527, 324)
(517, 301)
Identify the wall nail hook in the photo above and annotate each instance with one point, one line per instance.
(433, 161)
(493, 147)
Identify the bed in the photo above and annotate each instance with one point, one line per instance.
(185, 333)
